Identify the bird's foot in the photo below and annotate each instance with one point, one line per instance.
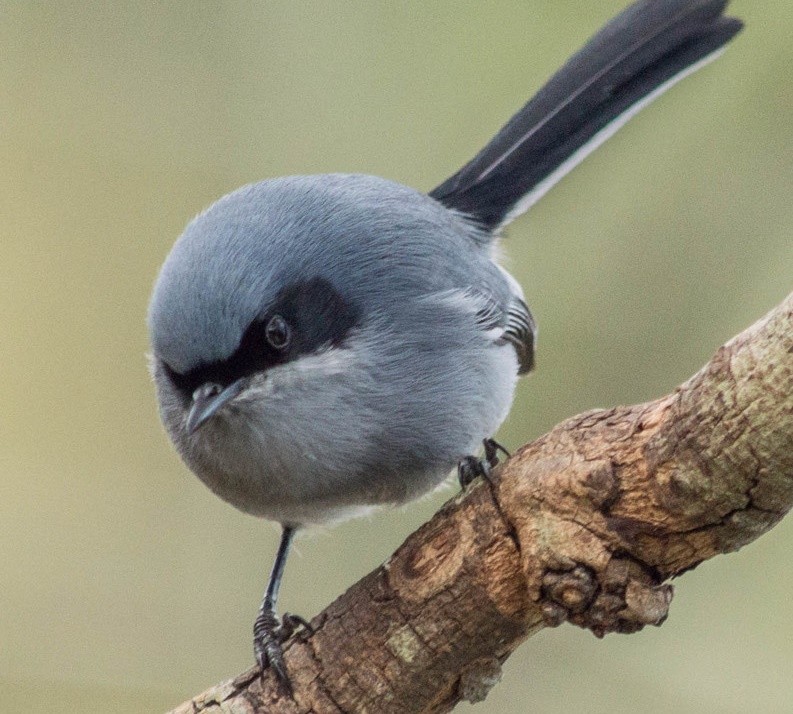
(492, 447)
(471, 467)
(269, 634)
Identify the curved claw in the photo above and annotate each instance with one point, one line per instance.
(269, 633)
(470, 467)
(492, 447)
(291, 623)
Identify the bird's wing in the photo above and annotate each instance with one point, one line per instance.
(504, 322)
(521, 332)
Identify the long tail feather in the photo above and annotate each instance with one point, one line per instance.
(637, 56)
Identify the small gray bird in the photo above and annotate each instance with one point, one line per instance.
(322, 345)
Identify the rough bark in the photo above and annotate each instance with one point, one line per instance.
(586, 524)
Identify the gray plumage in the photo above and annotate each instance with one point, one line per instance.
(325, 344)
(381, 418)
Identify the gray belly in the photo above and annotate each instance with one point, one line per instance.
(331, 448)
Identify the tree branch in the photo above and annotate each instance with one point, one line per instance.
(585, 525)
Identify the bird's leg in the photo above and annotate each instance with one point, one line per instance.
(270, 631)
(472, 466)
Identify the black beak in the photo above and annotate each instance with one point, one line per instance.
(207, 400)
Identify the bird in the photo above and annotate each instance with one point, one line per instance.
(323, 345)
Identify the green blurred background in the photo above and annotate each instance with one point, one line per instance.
(125, 585)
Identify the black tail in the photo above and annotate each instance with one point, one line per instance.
(633, 59)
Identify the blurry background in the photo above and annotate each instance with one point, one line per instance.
(124, 584)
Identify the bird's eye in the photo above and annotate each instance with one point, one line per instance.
(278, 333)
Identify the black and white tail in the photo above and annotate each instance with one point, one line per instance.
(636, 57)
